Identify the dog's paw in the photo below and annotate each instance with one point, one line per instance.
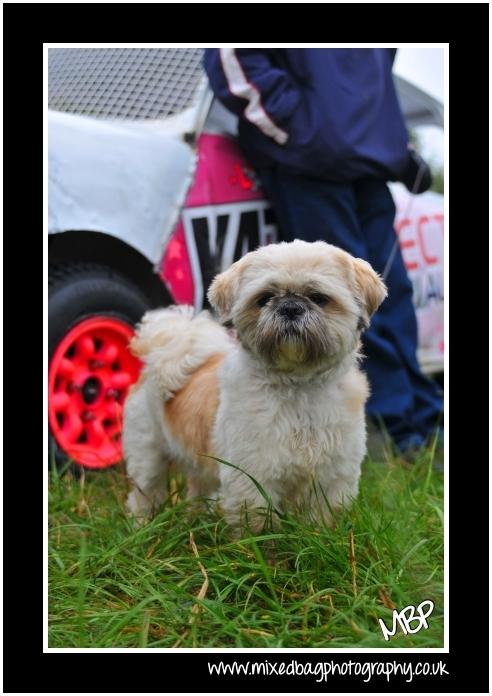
(138, 508)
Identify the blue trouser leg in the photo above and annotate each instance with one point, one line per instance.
(359, 218)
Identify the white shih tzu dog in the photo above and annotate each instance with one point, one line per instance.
(284, 402)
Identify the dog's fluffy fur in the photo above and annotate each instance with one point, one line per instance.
(284, 401)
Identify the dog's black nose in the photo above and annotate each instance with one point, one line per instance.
(291, 309)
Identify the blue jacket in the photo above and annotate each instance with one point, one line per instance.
(325, 112)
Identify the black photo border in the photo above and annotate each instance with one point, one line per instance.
(26, 668)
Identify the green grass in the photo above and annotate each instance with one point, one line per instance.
(112, 585)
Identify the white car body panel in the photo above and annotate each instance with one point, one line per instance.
(420, 225)
(121, 178)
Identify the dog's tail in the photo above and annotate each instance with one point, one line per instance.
(172, 344)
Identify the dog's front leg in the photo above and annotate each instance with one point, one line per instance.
(242, 503)
(149, 479)
(331, 494)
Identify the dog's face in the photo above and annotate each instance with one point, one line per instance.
(298, 305)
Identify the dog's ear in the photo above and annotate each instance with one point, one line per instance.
(223, 290)
(370, 288)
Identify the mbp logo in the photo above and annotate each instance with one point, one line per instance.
(408, 616)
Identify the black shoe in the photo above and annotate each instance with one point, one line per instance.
(435, 445)
(432, 446)
(410, 448)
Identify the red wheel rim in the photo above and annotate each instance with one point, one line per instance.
(89, 377)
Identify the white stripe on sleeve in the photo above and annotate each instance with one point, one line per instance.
(240, 87)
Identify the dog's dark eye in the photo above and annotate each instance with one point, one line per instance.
(319, 299)
(264, 299)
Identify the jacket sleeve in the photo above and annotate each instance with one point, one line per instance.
(249, 84)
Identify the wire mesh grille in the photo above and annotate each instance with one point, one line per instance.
(124, 83)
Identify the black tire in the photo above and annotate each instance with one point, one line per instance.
(81, 290)
(78, 291)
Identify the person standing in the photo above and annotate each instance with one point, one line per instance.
(325, 132)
